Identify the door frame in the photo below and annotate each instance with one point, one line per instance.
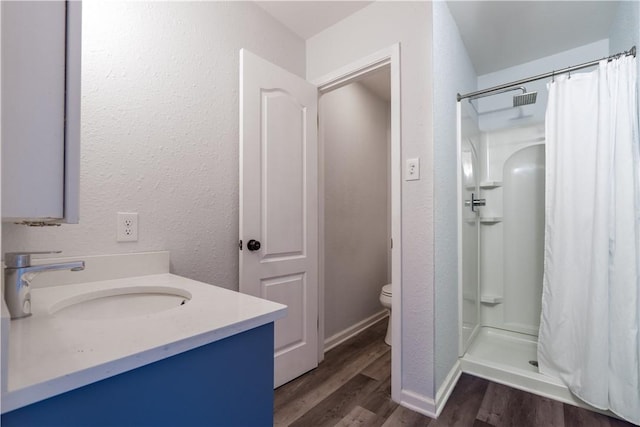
(349, 73)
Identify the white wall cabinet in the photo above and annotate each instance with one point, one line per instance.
(41, 43)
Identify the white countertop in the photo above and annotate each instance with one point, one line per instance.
(49, 355)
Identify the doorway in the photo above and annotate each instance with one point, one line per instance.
(382, 65)
(355, 124)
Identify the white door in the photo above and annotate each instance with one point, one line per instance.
(279, 206)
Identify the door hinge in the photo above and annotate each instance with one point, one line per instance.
(240, 245)
(391, 243)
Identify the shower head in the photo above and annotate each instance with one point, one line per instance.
(525, 98)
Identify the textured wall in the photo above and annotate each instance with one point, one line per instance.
(453, 73)
(356, 218)
(160, 131)
(375, 27)
(625, 30)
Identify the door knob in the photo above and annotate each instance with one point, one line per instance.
(253, 245)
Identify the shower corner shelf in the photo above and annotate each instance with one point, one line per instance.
(490, 184)
(491, 299)
(491, 219)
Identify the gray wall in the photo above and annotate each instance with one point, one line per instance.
(625, 30)
(160, 131)
(356, 198)
(453, 73)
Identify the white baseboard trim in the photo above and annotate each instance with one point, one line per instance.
(418, 403)
(443, 393)
(354, 330)
(427, 406)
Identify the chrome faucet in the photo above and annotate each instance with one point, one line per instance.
(18, 274)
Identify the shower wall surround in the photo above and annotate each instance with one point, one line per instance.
(511, 227)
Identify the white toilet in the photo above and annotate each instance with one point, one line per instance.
(385, 300)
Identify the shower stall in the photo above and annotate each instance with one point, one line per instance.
(501, 243)
(547, 230)
(501, 229)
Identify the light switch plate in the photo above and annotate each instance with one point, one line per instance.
(412, 171)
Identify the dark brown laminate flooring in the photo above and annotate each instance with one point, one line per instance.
(352, 387)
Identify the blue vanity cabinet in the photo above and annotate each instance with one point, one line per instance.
(224, 383)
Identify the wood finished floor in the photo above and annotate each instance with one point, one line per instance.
(352, 387)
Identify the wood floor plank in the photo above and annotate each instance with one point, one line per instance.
(362, 343)
(360, 417)
(379, 401)
(324, 385)
(352, 387)
(380, 368)
(578, 417)
(504, 406)
(338, 404)
(464, 403)
(406, 417)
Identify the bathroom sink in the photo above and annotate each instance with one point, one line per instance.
(121, 302)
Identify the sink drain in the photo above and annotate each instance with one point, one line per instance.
(533, 363)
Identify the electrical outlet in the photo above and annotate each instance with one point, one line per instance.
(412, 171)
(127, 227)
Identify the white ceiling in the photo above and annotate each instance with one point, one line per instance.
(500, 34)
(308, 18)
(497, 34)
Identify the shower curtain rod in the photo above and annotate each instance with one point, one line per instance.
(480, 93)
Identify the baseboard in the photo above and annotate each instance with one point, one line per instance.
(427, 406)
(354, 330)
(418, 403)
(443, 393)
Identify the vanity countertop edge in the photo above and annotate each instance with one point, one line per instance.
(215, 313)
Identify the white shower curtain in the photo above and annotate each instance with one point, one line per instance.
(590, 323)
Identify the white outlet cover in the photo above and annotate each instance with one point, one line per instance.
(412, 170)
(127, 227)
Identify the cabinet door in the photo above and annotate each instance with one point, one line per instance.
(38, 148)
